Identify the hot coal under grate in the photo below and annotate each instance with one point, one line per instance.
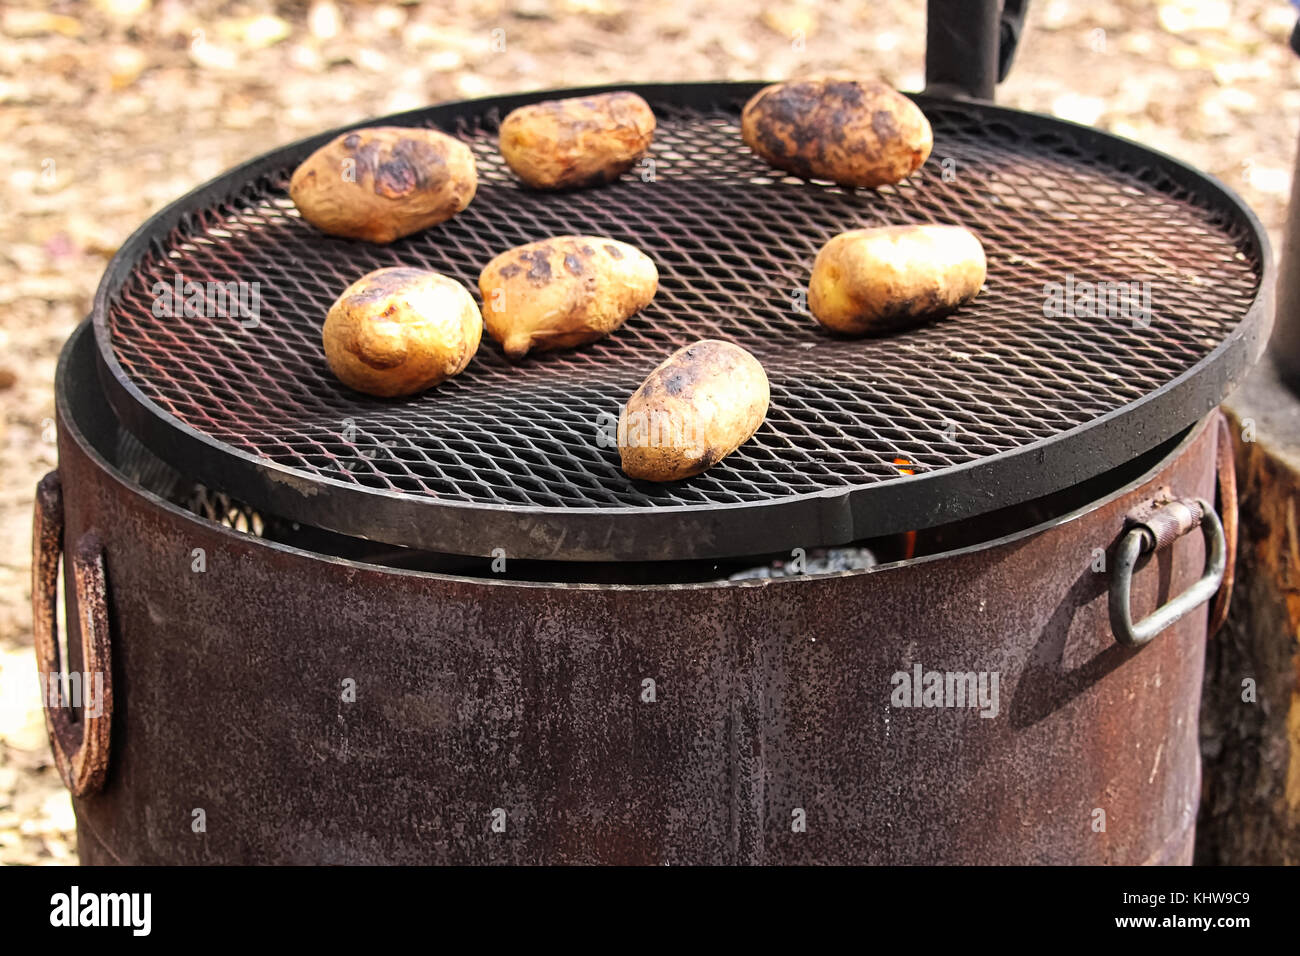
(734, 242)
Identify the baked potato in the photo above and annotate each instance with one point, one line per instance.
(585, 141)
(399, 331)
(854, 132)
(697, 407)
(888, 278)
(384, 183)
(562, 292)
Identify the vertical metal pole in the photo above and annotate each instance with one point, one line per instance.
(1284, 346)
(961, 47)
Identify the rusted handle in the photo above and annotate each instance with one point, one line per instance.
(80, 746)
(1155, 531)
(1226, 471)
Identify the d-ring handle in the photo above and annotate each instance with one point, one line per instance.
(1226, 499)
(1155, 532)
(80, 746)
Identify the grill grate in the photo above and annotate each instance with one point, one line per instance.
(733, 241)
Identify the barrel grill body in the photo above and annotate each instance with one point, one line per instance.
(505, 722)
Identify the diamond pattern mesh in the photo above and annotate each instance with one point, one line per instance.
(733, 240)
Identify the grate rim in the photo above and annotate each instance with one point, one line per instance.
(713, 217)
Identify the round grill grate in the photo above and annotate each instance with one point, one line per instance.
(254, 404)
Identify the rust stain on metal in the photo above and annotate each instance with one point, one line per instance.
(80, 746)
(306, 487)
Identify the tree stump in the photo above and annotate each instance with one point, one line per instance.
(1250, 709)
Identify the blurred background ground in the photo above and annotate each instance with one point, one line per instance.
(110, 109)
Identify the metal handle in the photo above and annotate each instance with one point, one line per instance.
(969, 45)
(1153, 533)
(81, 746)
(1226, 501)
(1013, 25)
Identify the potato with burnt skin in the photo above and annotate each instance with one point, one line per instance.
(384, 183)
(888, 278)
(399, 331)
(697, 407)
(584, 141)
(563, 292)
(854, 132)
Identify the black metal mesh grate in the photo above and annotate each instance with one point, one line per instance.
(733, 241)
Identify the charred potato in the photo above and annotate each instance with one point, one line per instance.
(696, 408)
(855, 132)
(564, 144)
(562, 292)
(884, 279)
(384, 183)
(400, 331)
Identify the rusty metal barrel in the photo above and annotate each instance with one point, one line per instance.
(271, 704)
